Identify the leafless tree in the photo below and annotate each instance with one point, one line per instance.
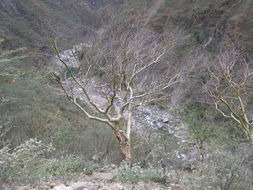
(125, 63)
(230, 87)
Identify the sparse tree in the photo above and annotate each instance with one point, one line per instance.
(127, 80)
(230, 88)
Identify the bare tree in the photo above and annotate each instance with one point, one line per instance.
(125, 64)
(230, 86)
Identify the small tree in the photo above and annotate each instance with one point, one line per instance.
(124, 64)
(230, 86)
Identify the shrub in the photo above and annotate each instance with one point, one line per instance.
(64, 165)
(21, 163)
(129, 174)
(153, 174)
(135, 173)
(70, 165)
(231, 170)
(223, 170)
(27, 163)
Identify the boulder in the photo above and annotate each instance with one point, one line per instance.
(85, 186)
(166, 119)
(103, 176)
(62, 187)
(115, 186)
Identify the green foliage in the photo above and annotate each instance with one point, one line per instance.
(67, 72)
(154, 174)
(64, 165)
(206, 125)
(99, 74)
(7, 58)
(203, 19)
(198, 35)
(21, 163)
(224, 169)
(28, 108)
(29, 162)
(230, 170)
(69, 166)
(129, 174)
(200, 131)
(32, 20)
(135, 173)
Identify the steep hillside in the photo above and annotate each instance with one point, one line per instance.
(29, 22)
(209, 22)
(198, 24)
(23, 83)
(179, 139)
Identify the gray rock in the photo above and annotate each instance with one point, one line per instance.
(103, 176)
(166, 119)
(62, 187)
(85, 186)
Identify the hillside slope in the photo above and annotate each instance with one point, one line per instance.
(209, 22)
(29, 22)
(32, 107)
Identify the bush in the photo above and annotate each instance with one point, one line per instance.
(129, 174)
(70, 165)
(22, 162)
(27, 163)
(64, 165)
(232, 171)
(223, 169)
(135, 173)
(153, 174)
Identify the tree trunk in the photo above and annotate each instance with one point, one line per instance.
(124, 145)
(248, 129)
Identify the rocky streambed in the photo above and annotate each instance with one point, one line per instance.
(147, 120)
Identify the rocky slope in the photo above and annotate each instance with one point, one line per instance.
(147, 116)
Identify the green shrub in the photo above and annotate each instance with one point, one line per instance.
(153, 174)
(23, 162)
(69, 165)
(129, 174)
(135, 173)
(67, 73)
(223, 170)
(63, 165)
(27, 163)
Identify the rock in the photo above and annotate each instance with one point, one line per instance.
(107, 169)
(62, 187)
(85, 186)
(24, 187)
(166, 119)
(150, 185)
(115, 186)
(103, 176)
(45, 186)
